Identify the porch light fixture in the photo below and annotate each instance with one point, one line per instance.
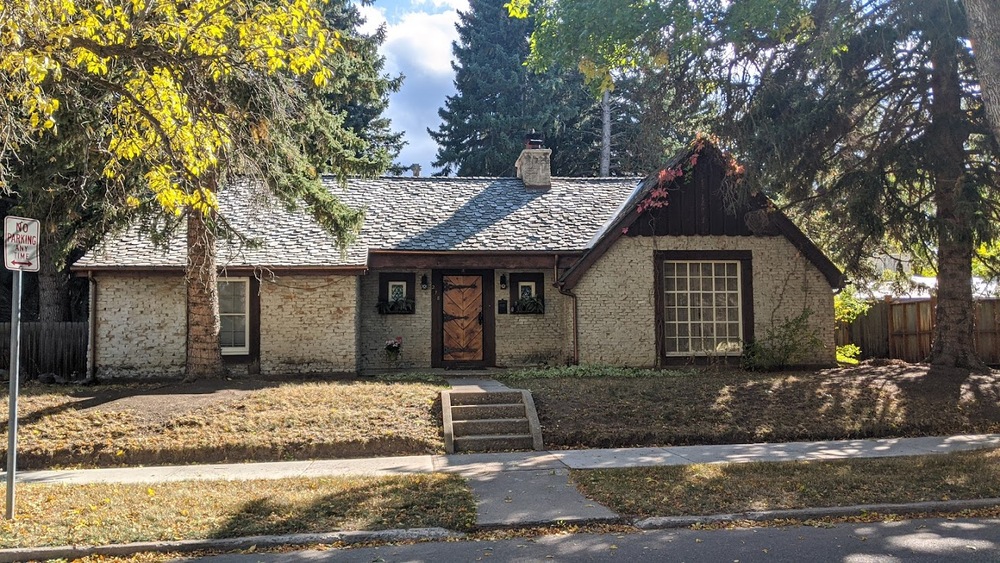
(503, 281)
(423, 281)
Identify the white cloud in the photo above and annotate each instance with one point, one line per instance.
(418, 45)
(449, 4)
(422, 41)
(374, 17)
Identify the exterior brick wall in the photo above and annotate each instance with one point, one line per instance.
(530, 340)
(520, 339)
(140, 326)
(617, 303)
(376, 329)
(308, 324)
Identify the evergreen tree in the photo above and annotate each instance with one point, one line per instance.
(364, 101)
(499, 100)
(866, 112)
(200, 94)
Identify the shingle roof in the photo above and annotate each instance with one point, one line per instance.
(426, 214)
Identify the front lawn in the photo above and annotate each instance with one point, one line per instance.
(727, 488)
(99, 514)
(629, 408)
(224, 421)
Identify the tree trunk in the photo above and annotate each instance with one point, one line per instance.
(605, 134)
(954, 345)
(53, 292)
(204, 352)
(984, 29)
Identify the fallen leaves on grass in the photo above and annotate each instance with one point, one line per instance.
(742, 487)
(731, 406)
(113, 513)
(290, 421)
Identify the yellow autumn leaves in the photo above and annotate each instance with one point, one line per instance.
(161, 60)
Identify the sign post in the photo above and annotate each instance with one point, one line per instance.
(20, 254)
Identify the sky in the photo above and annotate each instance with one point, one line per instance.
(418, 45)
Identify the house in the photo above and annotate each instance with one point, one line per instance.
(473, 272)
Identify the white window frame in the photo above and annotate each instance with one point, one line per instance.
(390, 285)
(687, 310)
(529, 284)
(245, 349)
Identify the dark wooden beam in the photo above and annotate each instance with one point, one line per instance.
(451, 260)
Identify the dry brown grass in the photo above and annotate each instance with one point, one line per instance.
(729, 406)
(148, 424)
(742, 487)
(98, 514)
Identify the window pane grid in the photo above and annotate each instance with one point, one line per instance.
(702, 308)
(233, 315)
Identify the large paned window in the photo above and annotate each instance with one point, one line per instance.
(702, 307)
(234, 312)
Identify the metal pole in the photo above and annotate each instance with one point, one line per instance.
(15, 356)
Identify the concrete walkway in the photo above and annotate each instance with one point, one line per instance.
(527, 487)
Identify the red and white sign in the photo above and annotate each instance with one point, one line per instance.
(20, 248)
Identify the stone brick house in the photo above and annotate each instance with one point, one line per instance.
(473, 272)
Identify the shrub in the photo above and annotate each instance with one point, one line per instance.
(848, 354)
(782, 345)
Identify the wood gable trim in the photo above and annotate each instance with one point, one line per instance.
(706, 223)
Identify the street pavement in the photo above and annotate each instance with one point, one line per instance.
(917, 541)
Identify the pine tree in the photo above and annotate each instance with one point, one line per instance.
(499, 100)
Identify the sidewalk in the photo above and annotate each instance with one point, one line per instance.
(524, 488)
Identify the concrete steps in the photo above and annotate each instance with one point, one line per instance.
(485, 421)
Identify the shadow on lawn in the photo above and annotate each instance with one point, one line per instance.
(738, 407)
(140, 395)
(358, 504)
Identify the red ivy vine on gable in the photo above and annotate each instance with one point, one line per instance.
(658, 196)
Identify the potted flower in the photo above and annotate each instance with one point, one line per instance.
(392, 350)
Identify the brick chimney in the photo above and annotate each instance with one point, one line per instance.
(534, 165)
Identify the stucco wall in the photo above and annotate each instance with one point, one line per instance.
(530, 340)
(308, 324)
(140, 326)
(617, 302)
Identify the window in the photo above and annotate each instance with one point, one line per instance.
(234, 314)
(527, 293)
(396, 293)
(705, 303)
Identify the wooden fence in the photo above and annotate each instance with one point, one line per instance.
(59, 348)
(905, 330)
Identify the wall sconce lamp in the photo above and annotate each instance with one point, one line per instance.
(503, 281)
(423, 281)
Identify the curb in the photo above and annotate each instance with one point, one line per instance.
(666, 522)
(427, 534)
(230, 544)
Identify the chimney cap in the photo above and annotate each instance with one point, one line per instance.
(534, 140)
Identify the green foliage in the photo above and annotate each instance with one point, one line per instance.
(866, 115)
(592, 372)
(782, 345)
(848, 354)
(411, 377)
(847, 306)
(499, 99)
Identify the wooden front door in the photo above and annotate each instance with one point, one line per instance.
(464, 319)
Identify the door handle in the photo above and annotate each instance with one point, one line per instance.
(480, 318)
